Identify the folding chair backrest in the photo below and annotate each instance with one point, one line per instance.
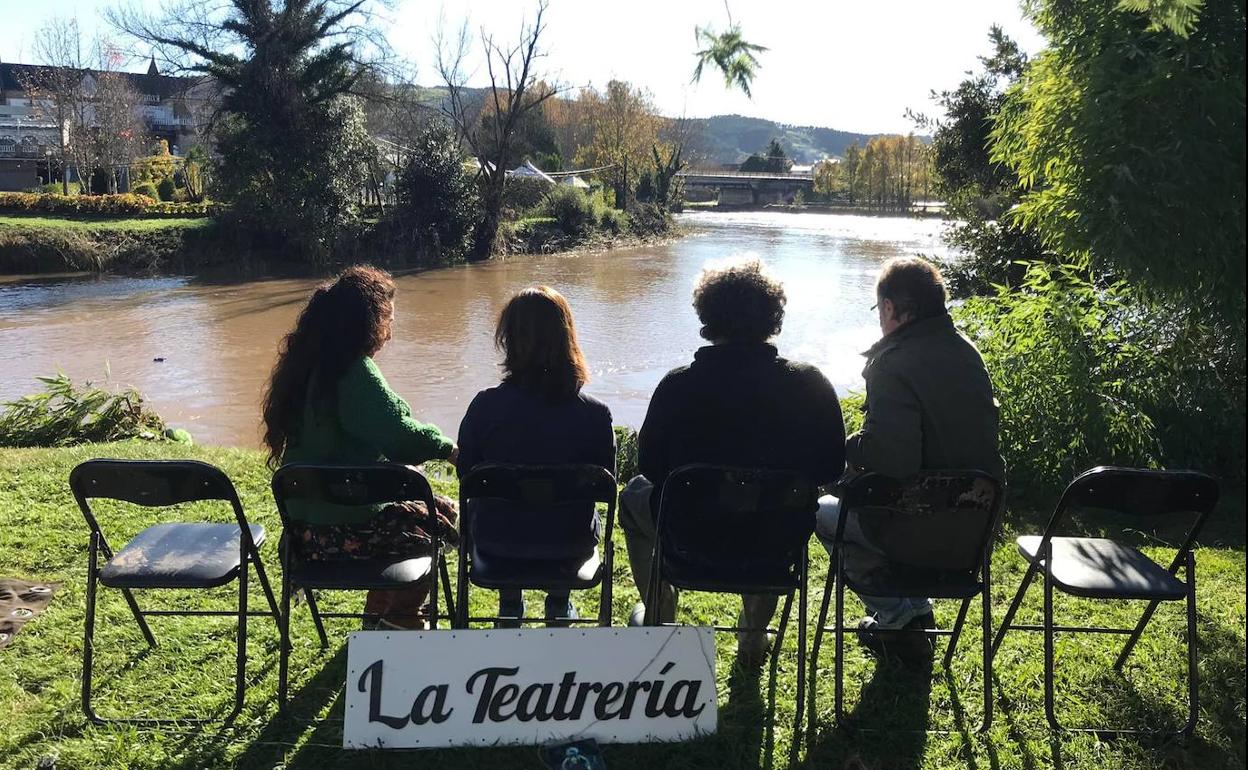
(717, 515)
(936, 520)
(1142, 492)
(348, 485)
(536, 487)
(150, 483)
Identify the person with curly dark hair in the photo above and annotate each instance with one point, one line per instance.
(738, 403)
(538, 415)
(327, 402)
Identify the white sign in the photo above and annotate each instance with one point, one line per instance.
(432, 689)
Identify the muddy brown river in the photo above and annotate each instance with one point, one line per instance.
(200, 348)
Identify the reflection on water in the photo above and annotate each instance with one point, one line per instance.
(217, 339)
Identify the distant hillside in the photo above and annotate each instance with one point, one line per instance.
(733, 138)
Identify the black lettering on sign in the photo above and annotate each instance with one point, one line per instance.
(534, 703)
(485, 703)
(437, 712)
(370, 682)
(611, 692)
(561, 712)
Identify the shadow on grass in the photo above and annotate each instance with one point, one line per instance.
(886, 726)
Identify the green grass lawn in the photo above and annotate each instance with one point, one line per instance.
(120, 223)
(42, 536)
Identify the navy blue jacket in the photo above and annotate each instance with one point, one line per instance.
(742, 404)
(506, 424)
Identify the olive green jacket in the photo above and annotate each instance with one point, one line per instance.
(929, 404)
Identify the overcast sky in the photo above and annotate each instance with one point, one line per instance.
(854, 66)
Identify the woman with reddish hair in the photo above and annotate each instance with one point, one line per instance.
(538, 415)
(327, 402)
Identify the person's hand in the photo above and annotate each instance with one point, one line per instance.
(453, 458)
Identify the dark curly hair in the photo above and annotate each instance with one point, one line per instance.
(739, 303)
(346, 319)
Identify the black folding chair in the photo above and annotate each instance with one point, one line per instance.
(355, 486)
(172, 555)
(1099, 568)
(532, 492)
(742, 531)
(935, 532)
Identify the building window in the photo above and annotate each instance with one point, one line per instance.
(30, 145)
(7, 146)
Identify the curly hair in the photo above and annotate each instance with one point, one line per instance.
(739, 303)
(538, 339)
(346, 319)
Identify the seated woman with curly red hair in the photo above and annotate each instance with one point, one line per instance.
(327, 402)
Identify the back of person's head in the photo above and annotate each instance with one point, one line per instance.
(346, 319)
(914, 286)
(741, 302)
(538, 339)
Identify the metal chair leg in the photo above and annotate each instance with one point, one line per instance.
(956, 633)
(800, 700)
(264, 583)
(987, 644)
(605, 594)
(838, 665)
(1014, 605)
(240, 665)
(446, 588)
(772, 677)
(88, 644)
(283, 654)
(316, 618)
(1049, 712)
(812, 708)
(1193, 670)
(461, 583)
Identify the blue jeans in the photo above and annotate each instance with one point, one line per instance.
(889, 611)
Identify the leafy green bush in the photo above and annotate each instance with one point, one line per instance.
(613, 221)
(523, 194)
(574, 212)
(648, 219)
(439, 205)
(146, 188)
(1089, 374)
(166, 188)
(64, 415)
(625, 453)
(56, 188)
(127, 204)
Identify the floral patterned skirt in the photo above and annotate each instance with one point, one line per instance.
(400, 530)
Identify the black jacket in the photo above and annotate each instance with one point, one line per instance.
(505, 424)
(743, 405)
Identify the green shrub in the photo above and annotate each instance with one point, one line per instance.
(127, 204)
(574, 212)
(146, 188)
(625, 453)
(64, 414)
(56, 188)
(439, 205)
(1089, 374)
(648, 219)
(523, 194)
(613, 221)
(166, 188)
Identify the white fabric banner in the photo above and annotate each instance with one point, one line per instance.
(431, 689)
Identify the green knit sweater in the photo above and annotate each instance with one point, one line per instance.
(369, 423)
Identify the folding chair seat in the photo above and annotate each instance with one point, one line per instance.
(358, 486)
(1099, 568)
(179, 555)
(769, 515)
(171, 555)
(935, 531)
(532, 492)
(360, 574)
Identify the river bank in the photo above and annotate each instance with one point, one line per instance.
(47, 244)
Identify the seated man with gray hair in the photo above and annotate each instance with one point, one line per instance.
(739, 404)
(929, 406)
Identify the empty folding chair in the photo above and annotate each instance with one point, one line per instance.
(935, 532)
(357, 486)
(1099, 568)
(171, 555)
(740, 531)
(549, 499)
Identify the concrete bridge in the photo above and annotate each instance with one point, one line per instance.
(753, 188)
